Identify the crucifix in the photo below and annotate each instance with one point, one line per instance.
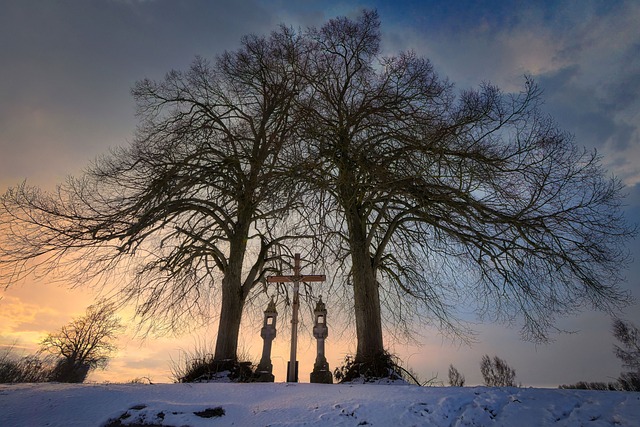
(296, 278)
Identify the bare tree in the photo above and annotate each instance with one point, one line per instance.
(432, 196)
(24, 369)
(423, 197)
(84, 344)
(628, 335)
(188, 211)
(456, 379)
(496, 372)
(628, 352)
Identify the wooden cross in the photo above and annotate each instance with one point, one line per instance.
(296, 278)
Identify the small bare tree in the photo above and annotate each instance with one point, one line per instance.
(628, 352)
(496, 372)
(456, 379)
(84, 344)
(629, 336)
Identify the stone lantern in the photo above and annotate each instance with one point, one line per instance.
(321, 372)
(268, 333)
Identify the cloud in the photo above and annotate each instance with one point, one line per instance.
(604, 117)
(16, 313)
(30, 311)
(68, 69)
(585, 56)
(23, 325)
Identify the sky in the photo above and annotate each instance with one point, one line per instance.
(67, 68)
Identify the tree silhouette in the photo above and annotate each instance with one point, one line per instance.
(423, 198)
(456, 379)
(628, 335)
(496, 372)
(190, 211)
(84, 344)
(434, 197)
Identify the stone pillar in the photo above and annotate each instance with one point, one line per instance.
(321, 372)
(268, 333)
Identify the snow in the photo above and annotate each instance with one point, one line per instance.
(293, 404)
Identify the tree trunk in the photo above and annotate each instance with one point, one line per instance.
(365, 291)
(230, 318)
(232, 303)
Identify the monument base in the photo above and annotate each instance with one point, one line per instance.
(293, 379)
(321, 377)
(264, 377)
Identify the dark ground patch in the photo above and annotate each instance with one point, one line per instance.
(120, 421)
(210, 412)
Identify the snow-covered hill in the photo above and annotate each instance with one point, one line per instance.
(283, 404)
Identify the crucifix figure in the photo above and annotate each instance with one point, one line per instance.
(296, 278)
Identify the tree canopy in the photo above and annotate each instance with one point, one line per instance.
(423, 197)
(436, 195)
(189, 212)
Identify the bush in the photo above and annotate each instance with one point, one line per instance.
(456, 379)
(200, 366)
(591, 385)
(207, 370)
(140, 380)
(496, 372)
(10, 372)
(629, 381)
(66, 371)
(383, 365)
(27, 369)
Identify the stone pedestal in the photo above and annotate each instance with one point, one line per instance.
(321, 376)
(264, 377)
(268, 333)
(321, 372)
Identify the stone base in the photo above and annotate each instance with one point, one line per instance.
(321, 377)
(264, 377)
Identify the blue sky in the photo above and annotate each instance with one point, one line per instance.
(68, 66)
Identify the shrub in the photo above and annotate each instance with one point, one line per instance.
(199, 366)
(141, 380)
(456, 379)
(496, 372)
(383, 365)
(27, 369)
(629, 381)
(9, 371)
(590, 385)
(67, 371)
